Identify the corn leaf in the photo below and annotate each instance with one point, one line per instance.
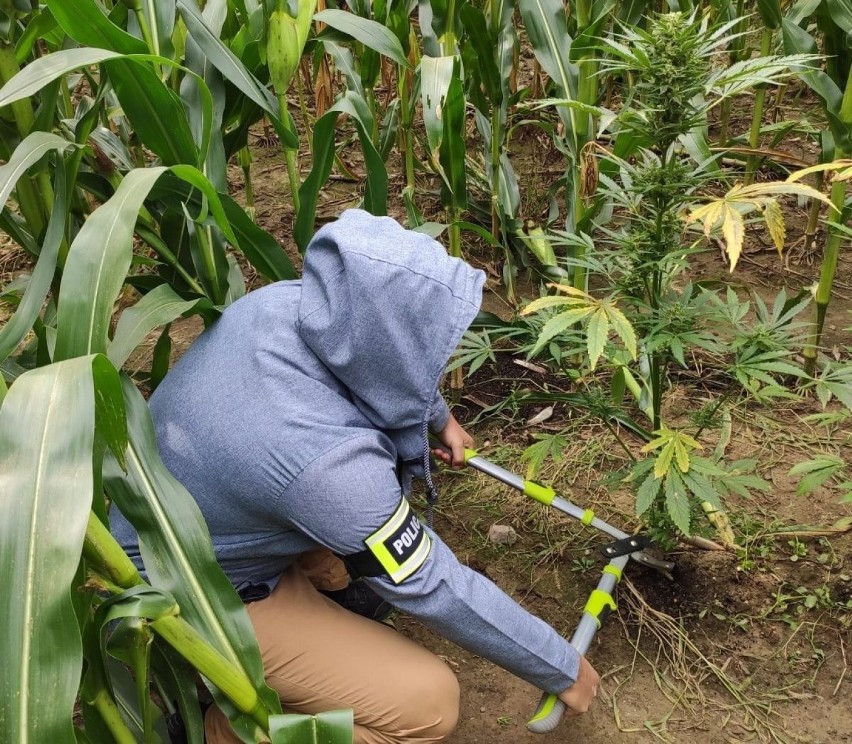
(157, 308)
(86, 23)
(436, 74)
(770, 13)
(841, 13)
(547, 28)
(797, 40)
(453, 144)
(32, 78)
(154, 110)
(233, 70)
(370, 33)
(46, 486)
(29, 152)
(177, 678)
(260, 248)
(376, 186)
(177, 551)
(331, 727)
(100, 256)
(16, 328)
(323, 159)
(160, 15)
(485, 47)
(375, 194)
(96, 267)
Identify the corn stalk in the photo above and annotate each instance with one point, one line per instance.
(836, 96)
(572, 65)
(286, 35)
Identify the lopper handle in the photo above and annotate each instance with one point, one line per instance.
(547, 715)
(600, 603)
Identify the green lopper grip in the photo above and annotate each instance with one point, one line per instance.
(547, 715)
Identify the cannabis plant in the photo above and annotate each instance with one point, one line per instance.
(660, 319)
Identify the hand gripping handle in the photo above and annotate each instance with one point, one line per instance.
(547, 715)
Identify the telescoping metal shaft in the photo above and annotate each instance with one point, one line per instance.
(599, 605)
(546, 495)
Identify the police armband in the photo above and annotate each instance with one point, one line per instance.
(396, 550)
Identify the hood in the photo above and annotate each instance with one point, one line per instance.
(383, 308)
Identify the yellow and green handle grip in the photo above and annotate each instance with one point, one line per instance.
(599, 605)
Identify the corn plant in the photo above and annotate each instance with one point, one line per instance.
(488, 57)
(357, 103)
(119, 183)
(770, 15)
(443, 100)
(287, 26)
(834, 87)
(571, 63)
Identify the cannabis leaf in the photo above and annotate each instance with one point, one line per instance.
(601, 316)
(729, 211)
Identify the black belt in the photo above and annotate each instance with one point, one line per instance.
(250, 592)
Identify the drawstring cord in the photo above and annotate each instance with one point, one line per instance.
(432, 495)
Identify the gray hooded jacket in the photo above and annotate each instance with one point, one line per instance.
(289, 418)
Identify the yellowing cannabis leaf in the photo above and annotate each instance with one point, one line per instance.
(843, 170)
(728, 212)
(672, 445)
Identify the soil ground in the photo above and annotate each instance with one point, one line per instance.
(736, 647)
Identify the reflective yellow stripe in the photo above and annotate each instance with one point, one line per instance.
(587, 517)
(413, 563)
(538, 492)
(375, 542)
(614, 570)
(398, 572)
(391, 526)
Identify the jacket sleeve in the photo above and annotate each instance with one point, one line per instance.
(440, 414)
(348, 496)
